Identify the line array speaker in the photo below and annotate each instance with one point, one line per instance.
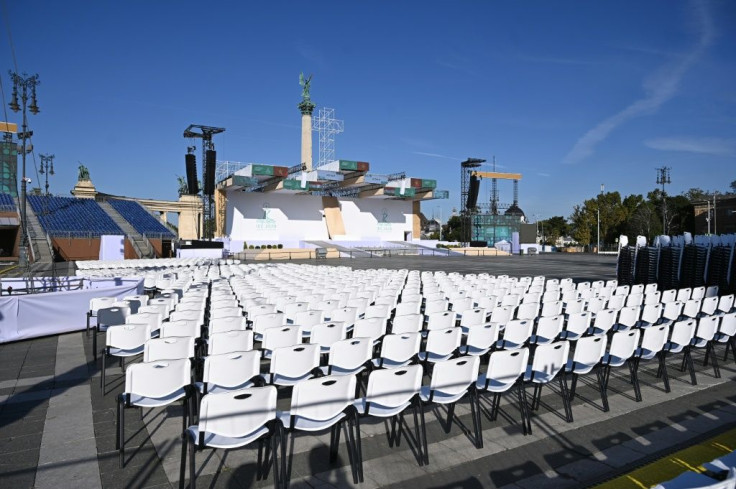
(209, 171)
(192, 185)
(473, 192)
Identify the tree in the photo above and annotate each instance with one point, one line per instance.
(645, 222)
(580, 224)
(553, 228)
(452, 231)
(733, 186)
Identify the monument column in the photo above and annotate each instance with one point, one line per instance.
(306, 107)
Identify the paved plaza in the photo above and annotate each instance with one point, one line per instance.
(58, 430)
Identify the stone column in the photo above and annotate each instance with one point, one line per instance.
(306, 107)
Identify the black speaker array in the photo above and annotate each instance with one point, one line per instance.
(669, 261)
(625, 275)
(192, 185)
(473, 192)
(646, 265)
(718, 267)
(210, 157)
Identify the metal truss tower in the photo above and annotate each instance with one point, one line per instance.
(205, 133)
(327, 127)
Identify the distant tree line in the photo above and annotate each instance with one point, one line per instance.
(632, 215)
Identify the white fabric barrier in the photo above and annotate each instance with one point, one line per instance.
(200, 253)
(30, 316)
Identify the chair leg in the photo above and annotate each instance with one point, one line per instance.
(573, 384)
(94, 344)
(275, 439)
(334, 442)
(602, 388)
(475, 412)
(425, 449)
(688, 360)
(88, 318)
(528, 413)
(418, 435)
(102, 373)
(260, 460)
(716, 368)
(663, 370)
(358, 446)
(565, 398)
(494, 407)
(122, 436)
(392, 432)
(450, 414)
(536, 396)
(117, 424)
(192, 468)
(183, 465)
(633, 371)
(352, 455)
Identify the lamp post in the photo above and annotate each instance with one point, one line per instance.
(440, 208)
(47, 168)
(598, 247)
(663, 178)
(26, 85)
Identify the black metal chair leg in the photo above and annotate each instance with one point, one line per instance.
(102, 373)
(358, 446)
(663, 369)
(192, 468)
(573, 384)
(121, 460)
(566, 399)
(602, 388)
(450, 414)
(183, 465)
(716, 368)
(691, 367)
(418, 435)
(633, 366)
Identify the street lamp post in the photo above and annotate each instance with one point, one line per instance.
(27, 87)
(47, 168)
(598, 247)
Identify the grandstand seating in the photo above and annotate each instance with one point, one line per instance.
(69, 216)
(139, 218)
(6, 203)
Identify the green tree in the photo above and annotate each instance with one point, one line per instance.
(452, 231)
(553, 228)
(581, 222)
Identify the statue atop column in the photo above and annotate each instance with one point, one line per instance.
(306, 106)
(83, 174)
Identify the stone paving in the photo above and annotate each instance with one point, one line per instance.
(58, 429)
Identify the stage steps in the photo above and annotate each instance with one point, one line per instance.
(36, 235)
(355, 252)
(140, 244)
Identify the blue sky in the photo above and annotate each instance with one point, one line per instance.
(570, 94)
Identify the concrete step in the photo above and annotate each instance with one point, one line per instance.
(36, 235)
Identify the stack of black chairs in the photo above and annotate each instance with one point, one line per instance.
(718, 267)
(669, 263)
(626, 264)
(692, 272)
(646, 265)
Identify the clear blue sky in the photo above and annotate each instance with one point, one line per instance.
(570, 94)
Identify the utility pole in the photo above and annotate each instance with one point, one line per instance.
(663, 178)
(598, 247)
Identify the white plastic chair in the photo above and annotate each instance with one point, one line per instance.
(398, 350)
(405, 308)
(95, 305)
(292, 364)
(652, 345)
(171, 348)
(696, 480)
(548, 330)
(441, 320)
(577, 325)
(230, 323)
(441, 345)
(587, 357)
(727, 334)
(408, 323)
(106, 317)
(505, 370)
(480, 340)
(348, 357)
(235, 419)
(451, 380)
(322, 403)
(705, 335)
(388, 394)
(180, 328)
(154, 384)
(279, 337)
(680, 339)
(516, 335)
(373, 328)
(327, 334)
(229, 371)
(549, 361)
(123, 341)
(229, 341)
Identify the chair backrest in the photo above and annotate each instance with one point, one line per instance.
(691, 308)
(400, 347)
(653, 340)
(309, 318)
(232, 323)
(589, 350)
(408, 323)
(575, 306)
(628, 316)
(623, 346)
(373, 328)
(127, 336)
(460, 305)
(326, 334)
(605, 320)
(223, 302)
(673, 310)
(652, 297)
(223, 312)
(551, 308)
(157, 379)
(698, 292)
(652, 313)
(707, 328)
(635, 299)
(350, 354)
(230, 341)
(517, 332)
(162, 309)
(454, 376)
(195, 314)
(711, 291)
(111, 316)
(549, 359)
(443, 341)
(295, 361)
(322, 398)
(616, 302)
(99, 302)
(269, 320)
(527, 310)
(359, 303)
(595, 304)
(683, 294)
(505, 367)
(550, 327)
(154, 319)
(502, 314)
(181, 327)
(725, 303)
(668, 296)
(259, 309)
(436, 306)
(238, 413)
(578, 323)
(482, 337)
(728, 324)
(404, 308)
(683, 332)
(232, 369)
(281, 336)
(709, 305)
(393, 387)
(441, 320)
(346, 315)
(171, 348)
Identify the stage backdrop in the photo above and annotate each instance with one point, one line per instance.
(30, 316)
(254, 216)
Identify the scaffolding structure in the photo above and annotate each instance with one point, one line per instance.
(327, 127)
